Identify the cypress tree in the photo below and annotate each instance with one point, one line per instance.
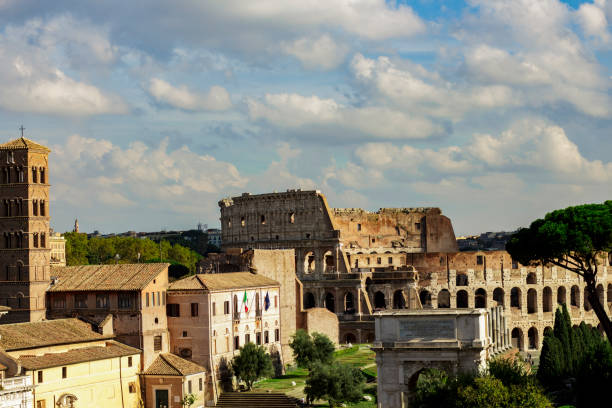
(579, 347)
(552, 361)
(562, 333)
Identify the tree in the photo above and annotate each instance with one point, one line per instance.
(574, 238)
(323, 347)
(252, 364)
(336, 383)
(309, 349)
(76, 248)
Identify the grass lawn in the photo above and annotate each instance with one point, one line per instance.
(359, 356)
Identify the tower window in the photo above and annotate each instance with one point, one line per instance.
(43, 241)
(35, 207)
(42, 207)
(242, 222)
(42, 175)
(263, 220)
(34, 175)
(35, 240)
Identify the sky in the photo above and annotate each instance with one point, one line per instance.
(496, 111)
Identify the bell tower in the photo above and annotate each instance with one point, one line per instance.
(24, 229)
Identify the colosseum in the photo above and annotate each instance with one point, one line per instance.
(355, 262)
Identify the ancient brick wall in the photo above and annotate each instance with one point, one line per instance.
(323, 321)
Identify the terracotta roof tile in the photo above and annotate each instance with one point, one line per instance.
(222, 281)
(105, 277)
(112, 349)
(23, 143)
(19, 336)
(171, 364)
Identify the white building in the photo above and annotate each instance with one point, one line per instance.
(214, 237)
(16, 392)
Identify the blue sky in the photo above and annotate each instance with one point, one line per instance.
(496, 111)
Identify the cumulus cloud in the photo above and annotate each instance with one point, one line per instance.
(294, 111)
(317, 53)
(216, 99)
(592, 19)
(32, 81)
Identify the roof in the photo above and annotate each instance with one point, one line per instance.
(23, 143)
(171, 364)
(111, 349)
(18, 336)
(105, 277)
(4, 309)
(222, 281)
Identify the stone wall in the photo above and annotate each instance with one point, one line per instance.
(323, 321)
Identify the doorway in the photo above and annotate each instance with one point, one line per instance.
(161, 399)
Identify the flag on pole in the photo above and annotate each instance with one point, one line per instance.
(244, 300)
(266, 302)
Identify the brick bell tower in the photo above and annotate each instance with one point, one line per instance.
(24, 229)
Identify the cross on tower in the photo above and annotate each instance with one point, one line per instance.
(22, 129)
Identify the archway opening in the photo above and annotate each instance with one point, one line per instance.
(398, 299)
(480, 298)
(329, 262)
(532, 335)
(517, 338)
(425, 297)
(547, 300)
(532, 301)
(515, 298)
(444, 299)
(575, 296)
(379, 300)
(587, 304)
(532, 278)
(461, 279)
(330, 302)
(462, 299)
(309, 300)
(561, 295)
(349, 303)
(600, 293)
(309, 262)
(350, 338)
(498, 296)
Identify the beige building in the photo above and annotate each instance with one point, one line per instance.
(210, 316)
(355, 262)
(170, 379)
(71, 365)
(134, 295)
(24, 229)
(57, 243)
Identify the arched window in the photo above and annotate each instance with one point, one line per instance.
(532, 278)
(517, 338)
(242, 222)
(43, 241)
(532, 301)
(34, 175)
(575, 296)
(35, 207)
(309, 300)
(292, 218)
(262, 219)
(379, 300)
(462, 299)
(443, 299)
(330, 302)
(257, 307)
(561, 295)
(349, 304)
(498, 296)
(587, 304)
(309, 262)
(42, 174)
(462, 279)
(398, 299)
(532, 334)
(480, 298)
(600, 293)
(425, 297)
(328, 264)
(236, 311)
(515, 298)
(547, 300)
(42, 208)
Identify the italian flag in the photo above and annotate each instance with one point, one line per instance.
(244, 300)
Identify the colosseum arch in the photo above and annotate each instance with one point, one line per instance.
(561, 295)
(330, 302)
(600, 293)
(517, 338)
(399, 302)
(329, 262)
(532, 301)
(498, 296)
(480, 298)
(309, 300)
(532, 278)
(350, 338)
(587, 304)
(462, 299)
(547, 300)
(310, 262)
(515, 298)
(425, 297)
(532, 336)
(379, 300)
(610, 295)
(349, 303)
(444, 299)
(461, 279)
(575, 296)
(548, 331)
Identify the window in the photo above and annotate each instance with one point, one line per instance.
(214, 309)
(80, 301)
(125, 301)
(35, 240)
(236, 342)
(307, 235)
(184, 334)
(59, 302)
(42, 175)
(102, 301)
(35, 207)
(43, 241)
(226, 309)
(291, 218)
(266, 337)
(194, 310)
(258, 338)
(163, 298)
(173, 310)
(417, 226)
(379, 260)
(64, 372)
(514, 264)
(34, 175)
(358, 227)
(276, 334)
(157, 343)
(479, 260)
(390, 260)
(368, 261)
(42, 208)
(263, 220)
(189, 387)
(12, 157)
(247, 338)
(153, 298)
(131, 388)
(41, 404)
(242, 222)
(40, 376)
(158, 299)
(129, 361)
(275, 301)
(147, 299)
(200, 384)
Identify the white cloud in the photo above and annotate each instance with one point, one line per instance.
(294, 110)
(317, 53)
(216, 99)
(592, 18)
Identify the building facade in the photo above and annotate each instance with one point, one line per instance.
(211, 316)
(24, 229)
(133, 295)
(57, 243)
(354, 263)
